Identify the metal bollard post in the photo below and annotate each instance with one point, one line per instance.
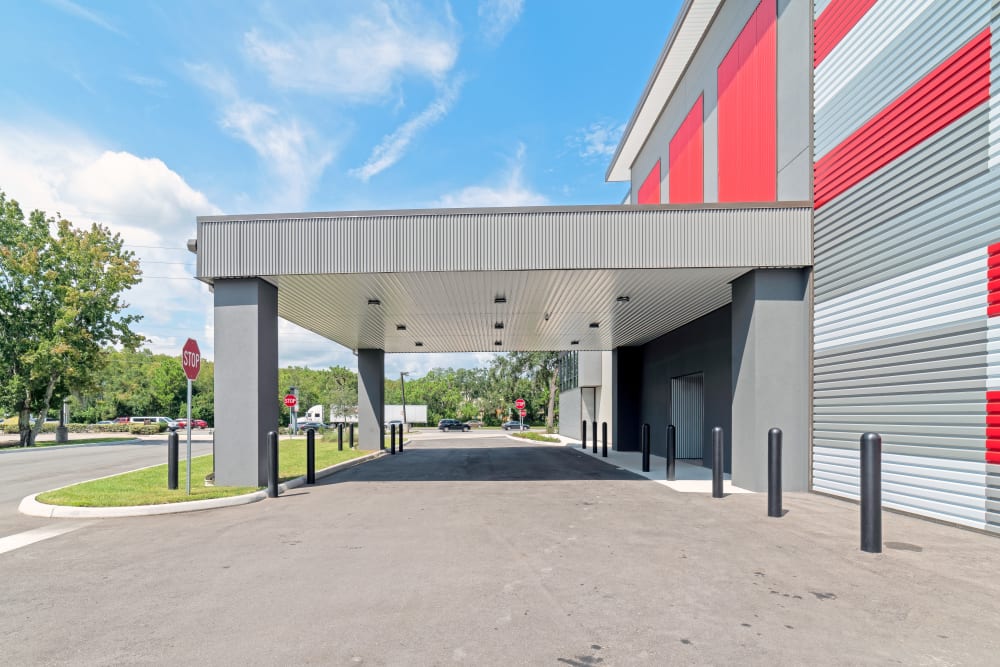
(392, 439)
(352, 434)
(400, 438)
(340, 437)
(311, 456)
(774, 472)
(871, 493)
(172, 461)
(594, 434)
(272, 464)
(671, 453)
(583, 435)
(645, 447)
(604, 439)
(717, 462)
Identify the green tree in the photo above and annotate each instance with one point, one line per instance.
(60, 304)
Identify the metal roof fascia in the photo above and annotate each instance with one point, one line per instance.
(621, 162)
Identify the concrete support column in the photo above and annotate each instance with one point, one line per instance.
(246, 379)
(626, 388)
(371, 397)
(771, 340)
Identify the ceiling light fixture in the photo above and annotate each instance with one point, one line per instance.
(418, 344)
(594, 325)
(498, 325)
(500, 299)
(574, 342)
(374, 302)
(400, 327)
(497, 342)
(623, 299)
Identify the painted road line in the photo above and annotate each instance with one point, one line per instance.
(19, 540)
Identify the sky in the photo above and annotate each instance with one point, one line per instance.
(144, 115)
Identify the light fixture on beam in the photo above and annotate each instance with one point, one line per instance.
(400, 327)
(594, 325)
(374, 302)
(498, 325)
(418, 344)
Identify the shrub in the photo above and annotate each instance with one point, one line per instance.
(537, 437)
(145, 429)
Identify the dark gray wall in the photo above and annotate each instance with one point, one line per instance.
(794, 168)
(626, 387)
(770, 378)
(246, 379)
(702, 346)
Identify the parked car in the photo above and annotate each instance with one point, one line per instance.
(310, 426)
(195, 423)
(515, 426)
(121, 420)
(105, 421)
(474, 423)
(452, 425)
(171, 424)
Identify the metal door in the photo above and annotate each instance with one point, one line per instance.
(687, 412)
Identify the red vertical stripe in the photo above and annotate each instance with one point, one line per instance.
(649, 191)
(992, 420)
(687, 158)
(747, 111)
(839, 17)
(954, 88)
(993, 288)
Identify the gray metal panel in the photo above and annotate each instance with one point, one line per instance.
(687, 412)
(457, 240)
(936, 32)
(569, 413)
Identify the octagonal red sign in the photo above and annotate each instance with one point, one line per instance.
(290, 401)
(519, 404)
(191, 359)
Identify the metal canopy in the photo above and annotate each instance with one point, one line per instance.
(473, 280)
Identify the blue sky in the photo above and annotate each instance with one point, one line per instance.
(143, 115)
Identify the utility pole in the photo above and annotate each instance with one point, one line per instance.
(402, 390)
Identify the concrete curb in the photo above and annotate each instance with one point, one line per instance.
(36, 448)
(31, 507)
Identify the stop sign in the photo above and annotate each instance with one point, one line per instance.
(519, 404)
(290, 400)
(191, 359)
(523, 412)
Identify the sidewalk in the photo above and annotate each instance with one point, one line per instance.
(690, 478)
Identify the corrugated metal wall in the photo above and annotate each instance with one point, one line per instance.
(902, 338)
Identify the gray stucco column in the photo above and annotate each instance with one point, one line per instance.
(626, 397)
(771, 375)
(371, 397)
(246, 379)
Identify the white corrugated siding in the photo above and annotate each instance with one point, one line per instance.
(901, 338)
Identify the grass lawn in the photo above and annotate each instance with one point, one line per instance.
(83, 441)
(537, 437)
(149, 486)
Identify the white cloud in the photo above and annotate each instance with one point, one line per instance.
(86, 14)
(150, 205)
(393, 146)
(497, 17)
(418, 364)
(360, 59)
(598, 140)
(512, 191)
(287, 146)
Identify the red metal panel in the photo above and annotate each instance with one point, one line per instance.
(958, 85)
(839, 17)
(649, 191)
(687, 158)
(747, 111)
(992, 422)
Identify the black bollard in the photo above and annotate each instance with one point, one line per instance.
(604, 439)
(717, 462)
(871, 493)
(311, 456)
(352, 434)
(645, 447)
(583, 435)
(340, 437)
(774, 472)
(172, 460)
(594, 434)
(272, 464)
(392, 439)
(671, 453)
(400, 438)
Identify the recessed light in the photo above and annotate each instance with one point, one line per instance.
(498, 325)
(500, 299)
(374, 302)
(497, 342)
(623, 299)
(418, 344)
(574, 342)
(594, 325)
(400, 327)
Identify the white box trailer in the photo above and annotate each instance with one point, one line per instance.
(415, 414)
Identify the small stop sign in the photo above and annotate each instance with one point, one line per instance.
(291, 401)
(191, 359)
(524, 412)
(519, 404)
